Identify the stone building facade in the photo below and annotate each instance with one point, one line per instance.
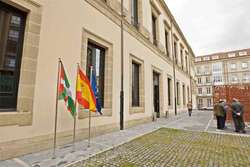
(228, 68)
(158, 67)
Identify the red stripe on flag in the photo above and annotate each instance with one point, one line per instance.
(84, 78)
(81, 100)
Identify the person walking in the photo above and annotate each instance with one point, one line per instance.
(219, 114)
(190, 107)
(237, 114)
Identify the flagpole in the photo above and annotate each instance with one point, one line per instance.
(56, 108)
(91, 71)
(74, 130)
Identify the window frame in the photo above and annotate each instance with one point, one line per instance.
(176, 52)
(208, 90)
(19, 55)
(233, 66)
(178, 93)
(154, 29)
(87, 36)
(184, 94)
(141, 107)
(170, 93)
(244, 65)
(200, 91)
(136, 102)
(182, 54)
(23, 115)
(167, 42)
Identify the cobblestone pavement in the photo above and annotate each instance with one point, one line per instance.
(176, 148)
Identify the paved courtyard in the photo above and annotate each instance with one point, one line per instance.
(177, 148)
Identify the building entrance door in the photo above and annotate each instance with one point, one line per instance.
(156, 98)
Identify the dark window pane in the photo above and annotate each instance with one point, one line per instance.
(12, 24)
(186, 63)
(96, 58)
(169, 92)
(134, 12)
(166, 42)
(183, 94)
(154, 29)
(181, 59)
(175, 53)
(135, 84)
(178, 93)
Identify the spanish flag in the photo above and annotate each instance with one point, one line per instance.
(84, 93)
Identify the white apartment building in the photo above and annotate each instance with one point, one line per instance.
(226, 68)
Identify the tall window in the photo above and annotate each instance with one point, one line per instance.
(206, 70)
(208, 80)
(244, 65)
(246, 77)
(166, 43)
(154, 31)
(200, 91)
(182, 64)
(217, 67)
(175, 53)
(186, 61)
(233, 66)
(178, 92)
(134, 12)
(199, 80)
(169, 91)
(135, 84)
(208, 90)
(199, 70)
(12, 25)
(184, 94)
(188, 93)
(96, 58)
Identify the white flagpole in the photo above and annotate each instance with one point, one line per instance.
(91, 71)
(56, 109)
(74, 130)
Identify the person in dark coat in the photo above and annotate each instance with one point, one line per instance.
(219, 114)
(237, 114)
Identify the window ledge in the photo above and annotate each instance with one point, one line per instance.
(15, 118)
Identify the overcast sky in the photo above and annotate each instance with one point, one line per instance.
(213, 25)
